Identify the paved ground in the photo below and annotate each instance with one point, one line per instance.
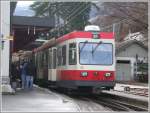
(43, 100)
(37, 100)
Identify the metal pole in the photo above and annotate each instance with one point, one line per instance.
(136, 66)
(114, 25)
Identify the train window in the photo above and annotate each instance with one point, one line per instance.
(38, 59)
(54, 58)
(93, 53)
(50, 59)
(45, 61)
(64, 55)
(41, 60)
(72, 54)
(59, 56)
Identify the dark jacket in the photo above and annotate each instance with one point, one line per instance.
(30, 69)
(15, 73)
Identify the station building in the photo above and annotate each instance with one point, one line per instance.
(131, 61)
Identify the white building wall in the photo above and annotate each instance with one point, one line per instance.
(129, 54)
(132, 60)
(5, 32)
(132, 50)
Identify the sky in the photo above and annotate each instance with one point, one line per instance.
(24, 3)
(22, 8)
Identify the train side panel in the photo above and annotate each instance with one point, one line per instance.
(52, 64)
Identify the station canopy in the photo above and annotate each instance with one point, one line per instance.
(26, 30)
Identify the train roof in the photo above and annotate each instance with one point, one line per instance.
(47, 44)
(74, 35)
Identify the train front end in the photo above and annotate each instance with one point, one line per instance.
(93, 58)
(96, 62)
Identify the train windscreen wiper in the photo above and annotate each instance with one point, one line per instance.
(96, 47)
(83, 46)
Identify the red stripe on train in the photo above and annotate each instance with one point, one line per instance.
(82, 34)
(76, 75)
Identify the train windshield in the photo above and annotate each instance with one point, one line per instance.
(96, 53)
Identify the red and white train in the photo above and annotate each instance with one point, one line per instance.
(80, 59)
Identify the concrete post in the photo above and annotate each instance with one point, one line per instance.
(5, 51)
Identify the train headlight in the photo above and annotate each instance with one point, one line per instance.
(84, 74)
(107, 74)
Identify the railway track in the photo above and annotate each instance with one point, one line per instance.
(119, 105)
(111, 102)
(113, 106)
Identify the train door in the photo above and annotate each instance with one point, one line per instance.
(52, 65)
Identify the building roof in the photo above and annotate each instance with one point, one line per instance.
(33, 21)
(122, 45)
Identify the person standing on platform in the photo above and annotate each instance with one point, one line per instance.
(31, 70)
(13, 76)
(23, 74)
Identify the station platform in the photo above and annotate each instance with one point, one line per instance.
(121, 86)
(136, 91)
(127, 95)
(134, 83)
(37, 100)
